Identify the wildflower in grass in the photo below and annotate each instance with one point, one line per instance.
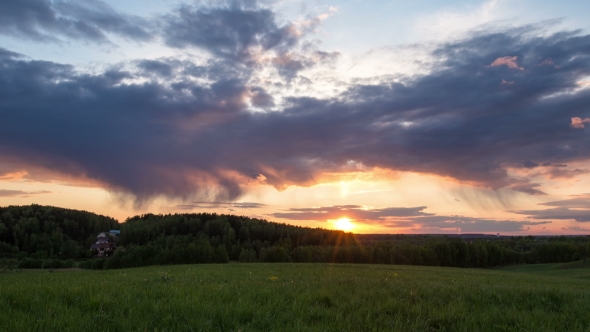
(273, 278)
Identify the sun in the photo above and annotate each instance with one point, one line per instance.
(343, 224)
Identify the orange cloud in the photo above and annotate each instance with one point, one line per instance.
(578, 123)
(13, 176)
(508, 61)
(15, 169)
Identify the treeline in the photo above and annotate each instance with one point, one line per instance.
(38, 236)
(211, 238)
(44, 232)
(554, 249)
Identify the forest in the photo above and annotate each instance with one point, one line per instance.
(49, 237)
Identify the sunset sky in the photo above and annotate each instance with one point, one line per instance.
(377, 116)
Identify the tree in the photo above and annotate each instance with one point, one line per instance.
(220, 255)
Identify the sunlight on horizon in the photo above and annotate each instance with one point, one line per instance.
(344, 224)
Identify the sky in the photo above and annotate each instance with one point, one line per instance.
(367, 116)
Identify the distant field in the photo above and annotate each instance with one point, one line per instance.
(297, 297)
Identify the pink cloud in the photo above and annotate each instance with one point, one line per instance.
(548, 62)
(578, 123)
(507, 82)
(509, 61)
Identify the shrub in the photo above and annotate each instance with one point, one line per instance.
(87, 265)
(98, 264)
(29, 263)
(8, 264)
(57, 264)
(274, 254)
(36, 264)
(69, 263)
(25, 263)
(247, 256)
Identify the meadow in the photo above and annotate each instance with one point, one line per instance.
(297, 297)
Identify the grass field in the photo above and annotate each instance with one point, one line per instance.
(578, 270)
(297, 297)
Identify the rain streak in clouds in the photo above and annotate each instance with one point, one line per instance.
(495, 102)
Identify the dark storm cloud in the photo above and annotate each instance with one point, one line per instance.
(261, 98)
(355, 212)
(408, 218)
(289, 65)
(6, 54)
(119, 134)
(160, 68)
(234, 31)
(458, 120)
(239, 32)
(245, 33)
(171, 135)
(46, 20)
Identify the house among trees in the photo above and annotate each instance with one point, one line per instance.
(105, 245)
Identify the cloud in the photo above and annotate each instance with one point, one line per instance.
(453, 21)
(45, 20)
(157, 67)
(460, 224)
(247, 33)
(412, 218)
(576, 208)
(289, 64)
(576, 229)
(260, 98)
(187, 129)
(548, 62)
(577, 202)
(216, 205)
(549, 170)
(6, 54)
(578, 123)
(235, 31)
(559, 173)
(557, 213)
(508, 61)
(528, 188)
(355, 212)
(20, 193)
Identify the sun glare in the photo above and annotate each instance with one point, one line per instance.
(343, 224)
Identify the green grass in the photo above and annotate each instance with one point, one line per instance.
(293, 297)
(577, 270)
